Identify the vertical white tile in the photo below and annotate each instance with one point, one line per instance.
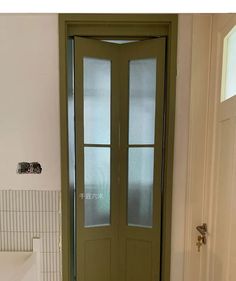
(26, 214)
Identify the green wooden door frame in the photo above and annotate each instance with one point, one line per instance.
(115, 26)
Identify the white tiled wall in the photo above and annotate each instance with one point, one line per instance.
(25, 214)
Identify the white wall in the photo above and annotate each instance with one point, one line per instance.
(29, 99)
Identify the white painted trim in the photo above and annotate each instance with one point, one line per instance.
(184, 54)
(190, 158)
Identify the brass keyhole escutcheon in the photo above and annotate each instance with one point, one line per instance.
(199, 242)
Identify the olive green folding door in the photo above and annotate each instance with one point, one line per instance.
(119, 116)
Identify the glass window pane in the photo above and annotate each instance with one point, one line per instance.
(71, 112)
(229, 66)
(97, 96)
(96, 186)
(142, 96)
(140, 186)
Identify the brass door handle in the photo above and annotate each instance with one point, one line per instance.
(202, 229)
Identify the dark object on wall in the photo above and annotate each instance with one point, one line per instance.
(29, 168)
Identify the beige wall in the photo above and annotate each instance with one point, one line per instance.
(29, 95)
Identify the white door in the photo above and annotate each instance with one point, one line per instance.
(222, 196)
(211, 178)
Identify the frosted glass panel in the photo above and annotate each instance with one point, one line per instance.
(142, 96)
(229, 81)
(140, 187)
(97, 96)
(96, 186)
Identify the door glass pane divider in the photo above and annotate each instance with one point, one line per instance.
(141, 145)
(97, 145)
(139, 226)
(100, 226)
(127, 145)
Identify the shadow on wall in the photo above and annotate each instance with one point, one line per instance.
(21, 266)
